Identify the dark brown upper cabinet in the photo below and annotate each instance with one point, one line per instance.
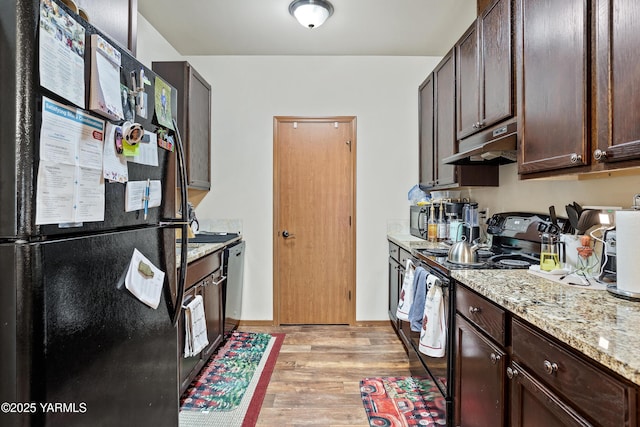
(444, 79)
(552, 84)
(616, 82)
(484, 74)
(116, 18)
(437, 96)
(426, 146)
(194, 118)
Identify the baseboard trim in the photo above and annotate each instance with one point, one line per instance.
(370, 323)
(256, 323)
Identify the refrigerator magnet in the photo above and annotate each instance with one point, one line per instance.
(132, 132)
(118, 140)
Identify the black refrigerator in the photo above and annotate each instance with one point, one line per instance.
(77, 348)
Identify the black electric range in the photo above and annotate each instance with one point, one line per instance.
(515, 244)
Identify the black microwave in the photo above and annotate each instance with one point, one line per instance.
(418, 216)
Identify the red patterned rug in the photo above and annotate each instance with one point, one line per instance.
(226, 388)
(402, 401)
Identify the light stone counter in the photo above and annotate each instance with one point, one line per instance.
(408, 242)
(198, 250)
(594, 322)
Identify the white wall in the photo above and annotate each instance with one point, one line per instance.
(248, 91)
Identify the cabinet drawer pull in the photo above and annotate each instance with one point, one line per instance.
(575, 158)
(222, 279)
(550, 368)
(473, 309)
(511, 373)
(600, 155)
(495, 358)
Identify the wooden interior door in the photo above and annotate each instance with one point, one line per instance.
(314, 220)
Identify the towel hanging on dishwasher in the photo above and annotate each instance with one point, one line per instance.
(433, 335)
(406, 292)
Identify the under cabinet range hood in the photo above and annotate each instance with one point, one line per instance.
(496, 145)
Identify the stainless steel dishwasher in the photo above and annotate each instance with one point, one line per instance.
(234, 265)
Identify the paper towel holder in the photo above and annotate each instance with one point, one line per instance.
(628, 295)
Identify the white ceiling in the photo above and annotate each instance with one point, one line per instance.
(264, 27)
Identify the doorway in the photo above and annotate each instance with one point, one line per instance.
(314, 220)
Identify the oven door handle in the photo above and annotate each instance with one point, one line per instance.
(442, 279)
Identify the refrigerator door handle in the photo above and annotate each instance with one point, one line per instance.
(184, 226)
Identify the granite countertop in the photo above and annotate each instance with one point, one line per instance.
(196, 251)
(593, 322)
(408, 242)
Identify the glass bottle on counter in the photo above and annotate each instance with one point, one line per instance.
(442, 225)
(432, 226)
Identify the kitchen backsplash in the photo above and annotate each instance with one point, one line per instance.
(537, 195)
(221, 225)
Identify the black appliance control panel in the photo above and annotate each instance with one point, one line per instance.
(524, 225)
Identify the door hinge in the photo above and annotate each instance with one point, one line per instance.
(349, 295)
(349, 220)
(349, 144)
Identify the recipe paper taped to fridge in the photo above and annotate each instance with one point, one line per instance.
(70, 186)
(144, 280)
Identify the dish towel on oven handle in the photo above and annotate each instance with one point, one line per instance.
(419, 294)
(406, 292)
(433, 336)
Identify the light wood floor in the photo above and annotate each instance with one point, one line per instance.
(317, 374)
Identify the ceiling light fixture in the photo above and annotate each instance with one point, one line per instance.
(311, 13)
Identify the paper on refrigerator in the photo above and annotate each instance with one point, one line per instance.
(135, 194)
(61, 53)
(144, 280)
(70, 186)
(105, 79)
(114, 165)
(147, 152)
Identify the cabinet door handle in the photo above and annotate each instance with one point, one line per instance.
(575, 158)
(495, 358)
(600, 155)
(473, 309)
(511, 373)
(222, 279)
(550, 367)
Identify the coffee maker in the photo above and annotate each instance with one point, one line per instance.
(609, 257)
(471, 225)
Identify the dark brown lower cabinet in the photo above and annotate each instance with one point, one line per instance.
(188, 367)
(204, 278)
(544, 382)
(480, 382)
(532, 404)
(213, 306)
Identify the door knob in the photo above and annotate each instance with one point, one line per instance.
(286, 234)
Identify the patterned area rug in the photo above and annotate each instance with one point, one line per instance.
(402, 401)
(230, 389)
